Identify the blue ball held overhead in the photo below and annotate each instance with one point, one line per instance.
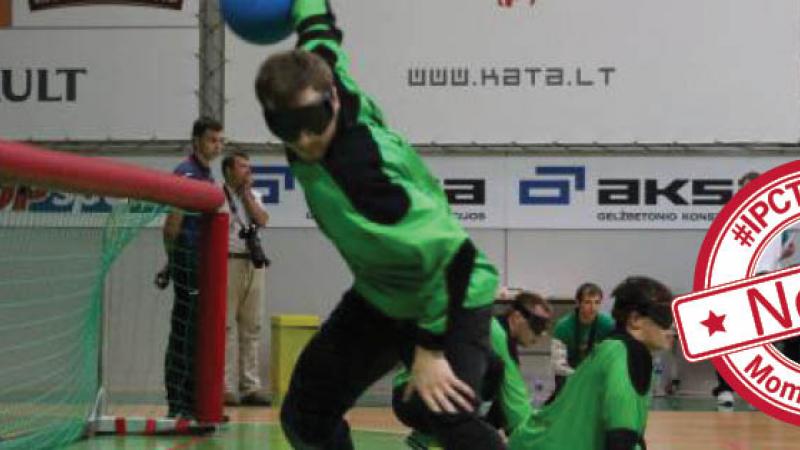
(259, 21)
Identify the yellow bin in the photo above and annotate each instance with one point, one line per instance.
(290, 334)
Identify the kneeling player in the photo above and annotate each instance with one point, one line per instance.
(604, 404)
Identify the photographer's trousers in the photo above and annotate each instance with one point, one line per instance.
(243, 325)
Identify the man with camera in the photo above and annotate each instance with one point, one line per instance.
(246, 265)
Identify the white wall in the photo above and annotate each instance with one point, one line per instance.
(99, 72)
(677, 71)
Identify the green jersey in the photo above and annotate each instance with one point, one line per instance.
(577, 336)
(378, 203)
(512, 396)
(608, 393)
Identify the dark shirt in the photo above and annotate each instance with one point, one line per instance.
(512, 342)
(191, 167)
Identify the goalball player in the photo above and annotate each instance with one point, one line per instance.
(604, 404)
(422, 292)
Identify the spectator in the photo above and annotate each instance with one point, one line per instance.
(180, 241)
(246, 272)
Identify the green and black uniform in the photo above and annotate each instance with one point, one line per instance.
(418, 280)
(603, 405)
(504, 390)
(579, 339)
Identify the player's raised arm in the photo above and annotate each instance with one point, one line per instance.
(314, 20)
(317, 32)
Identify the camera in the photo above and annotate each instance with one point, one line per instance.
(162, 278)
(250, 236)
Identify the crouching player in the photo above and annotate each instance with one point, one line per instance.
(421, 293)
(504, 397)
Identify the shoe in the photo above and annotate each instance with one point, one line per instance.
(255, 399)
(231, 399)
(725, 401)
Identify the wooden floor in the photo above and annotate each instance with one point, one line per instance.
(377, 429)
(667, 430)
(697, 430)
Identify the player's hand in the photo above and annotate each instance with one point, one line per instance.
(437, 385)
(503, 437)
(246, 186)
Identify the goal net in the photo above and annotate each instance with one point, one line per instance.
(87, 342)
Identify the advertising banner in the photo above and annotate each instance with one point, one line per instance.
(91, 71)
(572, 71)
(505, 192)
(513, 192)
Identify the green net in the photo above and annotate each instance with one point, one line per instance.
(53, 292)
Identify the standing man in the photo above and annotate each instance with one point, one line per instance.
(245, 284)
(181, 243)
(422, 292)
(576, 333)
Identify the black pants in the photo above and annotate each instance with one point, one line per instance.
(416, 415)
(791, 348)
(722, 385)
(356, 346)
(179, 376)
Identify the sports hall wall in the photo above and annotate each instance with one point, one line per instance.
(577, 140)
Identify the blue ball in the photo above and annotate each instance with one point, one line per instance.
(259, 21)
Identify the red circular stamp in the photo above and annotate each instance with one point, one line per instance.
(739, 311)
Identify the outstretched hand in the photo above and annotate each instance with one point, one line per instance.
(434, 380)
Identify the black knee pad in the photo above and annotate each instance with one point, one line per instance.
(412, 413)
(461, 431)
(309, 430)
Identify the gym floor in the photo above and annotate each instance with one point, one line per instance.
(676, 424)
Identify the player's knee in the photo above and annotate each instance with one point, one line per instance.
(466, 431)
(291, 417)
(305, 430)
(294, 425)
(411, 412)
